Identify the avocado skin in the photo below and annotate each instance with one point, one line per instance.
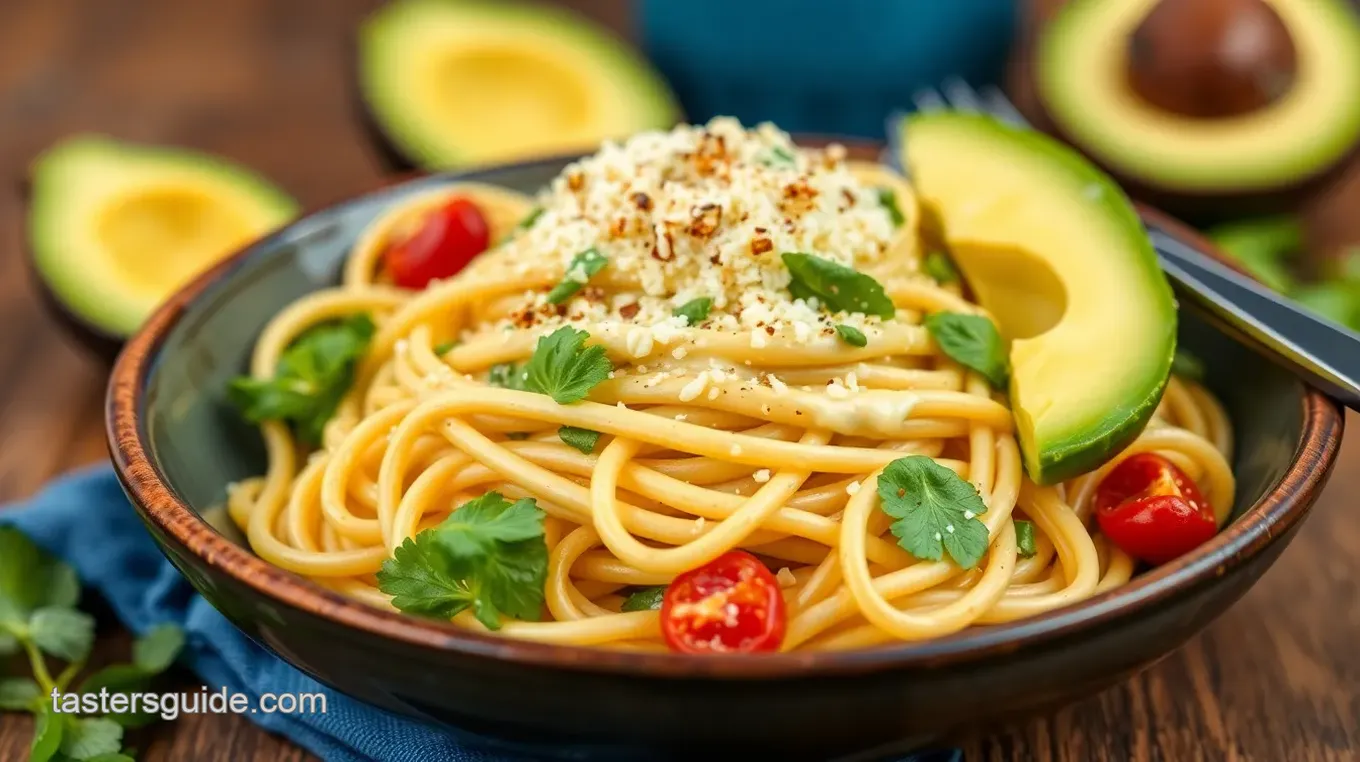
(100, 346)
(1199, 209)
(397, 158)
(1068, 460)
(1060, 461)
(389, 154)
(70, 299)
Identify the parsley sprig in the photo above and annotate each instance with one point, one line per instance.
(489, 556)
(644, 599)
(694, 311)
(888, 200)
(835, 286)
(584, 440)
(312, 377)
(583, 267)
(779, 157)
(851, 335)
(1024, 538)
(564, 368)
(971, 341)
(38, 616)
(936, 511)
(524, 224)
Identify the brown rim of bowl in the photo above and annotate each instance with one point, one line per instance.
(1273, 515)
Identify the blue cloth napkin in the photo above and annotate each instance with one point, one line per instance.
(85, 519)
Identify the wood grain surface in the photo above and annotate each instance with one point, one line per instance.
(264, 82)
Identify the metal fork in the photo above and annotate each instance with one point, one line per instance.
(1321, 352)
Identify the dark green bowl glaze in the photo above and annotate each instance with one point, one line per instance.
(176, 445)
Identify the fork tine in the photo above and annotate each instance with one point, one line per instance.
(960, 95)
(929, 99)
(997, 104)
(894, 154)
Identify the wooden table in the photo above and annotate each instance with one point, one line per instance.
(263, 82)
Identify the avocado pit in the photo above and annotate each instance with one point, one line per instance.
(1211, 59)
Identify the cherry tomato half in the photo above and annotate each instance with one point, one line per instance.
(729, 605)
(443, 244)
(1152, 510)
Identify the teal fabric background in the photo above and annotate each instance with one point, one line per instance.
(829, 66)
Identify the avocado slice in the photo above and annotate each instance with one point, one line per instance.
(454, 83)
(1082, 78)
(114, 228)
(1055, 252)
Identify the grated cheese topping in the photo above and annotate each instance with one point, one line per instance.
(700, 211)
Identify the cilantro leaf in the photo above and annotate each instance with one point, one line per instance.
(851, 335)
(152, 654)
(443, 348)
(939, 266)
(47, 733)
(972, 341)
(935, 509)
(511, 582)
(1024, 538)
(155, 651)
(18, 693)
(312, 376)
(114, 757)
(31, 579)
(489, 555)
(8, 644)
(563, 368)
(694, 311)
(419, 579)
(65, 633)
(1186, 365)
(888, 199)
(116, 678)
(474, 529)
(583, 267)
(645, 599)
(582, 439)
(503, 543)
(837, 287)
(90, 737)
(507, 375)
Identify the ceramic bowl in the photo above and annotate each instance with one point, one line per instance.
(176, 445)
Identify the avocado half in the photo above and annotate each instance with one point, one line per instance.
(458, 83)
(1053, 249)
(114, 228)
(1250, 161)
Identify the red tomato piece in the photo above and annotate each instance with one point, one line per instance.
(729, 605)
(1152, 510)
(445, 242)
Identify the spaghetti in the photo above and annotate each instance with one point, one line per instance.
(757, 426)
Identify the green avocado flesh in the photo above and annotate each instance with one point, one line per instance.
(1081, 70)
(115, 228)
(455, 83)
(1055, 252)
